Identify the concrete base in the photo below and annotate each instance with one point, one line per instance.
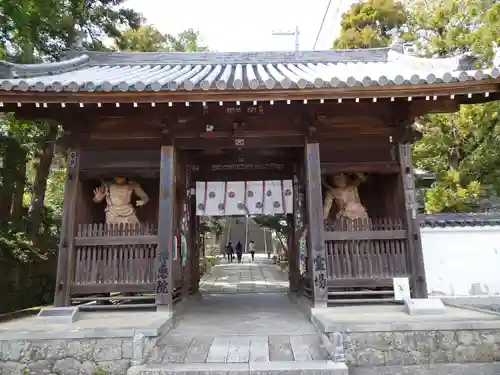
(111, 341)
(58, 315)
(435, 369)
(424, 306)
(386, 338)
(257, 368)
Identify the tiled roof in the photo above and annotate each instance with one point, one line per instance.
(136, 72)
(459, 220)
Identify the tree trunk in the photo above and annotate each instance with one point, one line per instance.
(40, 185)
(10, 165)
(18, 194)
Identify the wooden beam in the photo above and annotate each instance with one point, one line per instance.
(243, 175)
(116, 240)
(112, 288)
(235, 143)
(65, 259)
(120, 159)
(316, 243)
(368, 283)
(416, 257)
(164, 284)
(363, 167)
(365, 235)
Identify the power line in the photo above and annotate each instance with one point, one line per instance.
(322, 22)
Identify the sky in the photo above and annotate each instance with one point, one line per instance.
(239, 26)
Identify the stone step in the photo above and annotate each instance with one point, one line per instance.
(258, 368)
(177, 348)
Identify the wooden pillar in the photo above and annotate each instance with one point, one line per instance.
(194, 250)
(416, 259)
(65, 259)
(164, 284)
(294, 251)
(316, 243)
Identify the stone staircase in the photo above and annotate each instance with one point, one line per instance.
(242, 354)
(234, 231)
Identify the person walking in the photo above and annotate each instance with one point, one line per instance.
(239, 251)
(251, 248)
(230, 252)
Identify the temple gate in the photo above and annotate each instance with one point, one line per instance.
(149, 136)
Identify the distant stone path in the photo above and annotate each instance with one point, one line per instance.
(259, 276)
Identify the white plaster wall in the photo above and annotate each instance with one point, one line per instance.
(462, 261)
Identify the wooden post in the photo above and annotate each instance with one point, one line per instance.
(164, 285)
(316, 243)
(293, 248)
(418, 281)
(194, 251)
(66, 239)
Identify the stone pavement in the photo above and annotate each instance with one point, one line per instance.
(241, 328)
(243, 323)
(243, 315)
(259, 276)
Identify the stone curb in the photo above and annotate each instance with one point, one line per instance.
(261, 368)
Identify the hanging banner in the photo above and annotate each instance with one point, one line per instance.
(218, 198)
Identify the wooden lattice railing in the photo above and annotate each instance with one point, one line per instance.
(365, 249)
(115, 254)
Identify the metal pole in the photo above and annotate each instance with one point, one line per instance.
(246, 232)
(296, 33)
(297, 38)
(265, 240)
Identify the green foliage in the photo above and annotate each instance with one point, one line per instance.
(450, 195)
(459, 148)
(149, 39)
(280, 225)
(32, 30)
(144, 39)
(449, 27)
(14, 244)
(38, 31)
(214, 226)
(369, 23)
(54, 195)
(276, 223)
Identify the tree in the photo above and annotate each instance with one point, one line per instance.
(32, 30)
(144, 39)
(458, 147)
(150, 39)
(186, 41)
(443, 28)
(369, 24)
(40, 31)
(280, 226)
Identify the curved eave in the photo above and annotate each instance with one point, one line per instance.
(411, 91)
(33, 70)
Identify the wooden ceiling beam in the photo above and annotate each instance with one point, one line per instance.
(239, 143)
(363, 167)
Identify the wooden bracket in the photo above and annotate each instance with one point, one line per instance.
(404, 124)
